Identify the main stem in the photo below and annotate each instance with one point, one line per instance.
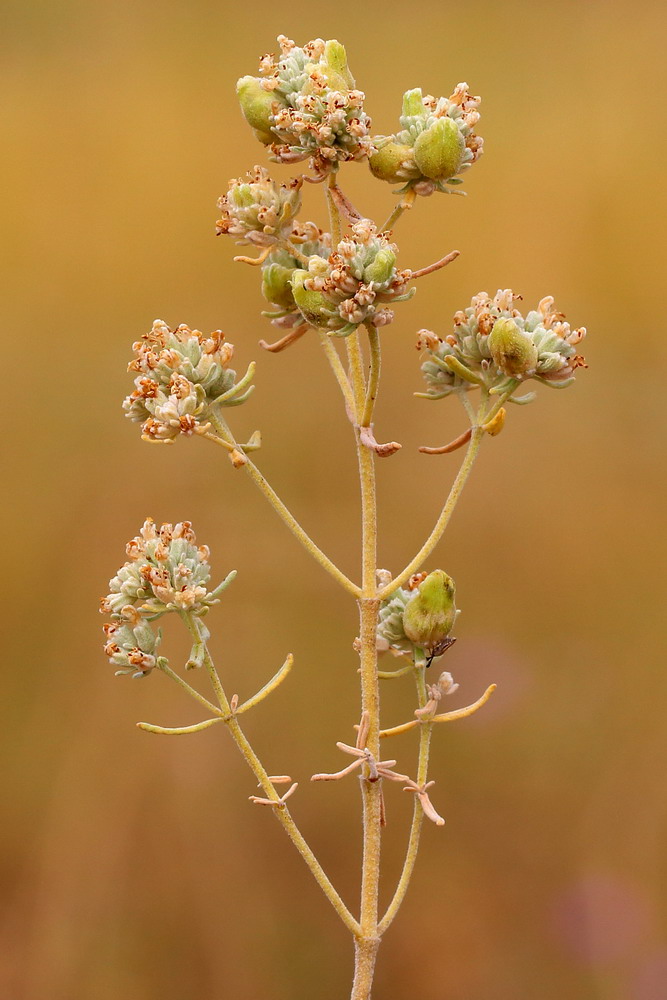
(367, 941)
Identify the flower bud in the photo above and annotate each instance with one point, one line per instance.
(381, 268)
(413, 103)
(390, 159)
(312, 305)
(277, 285)
(439, 150)
(431, 611)
(337, 70)
(513, 352)
(257, 107)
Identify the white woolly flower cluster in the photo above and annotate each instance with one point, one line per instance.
(165, 571)
(305, 104)
(353, 283)
(435, 144)
(182, 374)
(494, 345)
(258, 210)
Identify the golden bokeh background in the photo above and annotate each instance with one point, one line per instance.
(134, 866)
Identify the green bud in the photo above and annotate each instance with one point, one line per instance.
(257, 107)
(312, 305)
(513, 351)
(381, 268)
(413, 103)
(242, 196)
(389, 159)
(439, 150)
(276, 285)
(431, 611)
(338, 72)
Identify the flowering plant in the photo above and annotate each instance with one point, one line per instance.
(339, 286)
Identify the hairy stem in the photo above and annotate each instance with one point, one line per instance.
(286, 516)
(280, 810)
(425, 731)
(443, 520)
(368, 940)
(339, 371)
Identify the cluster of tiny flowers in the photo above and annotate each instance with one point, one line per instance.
(351, 285)
(390, 636)
(165, 571)
(305, 105)
(436, 142)
(280, 265)
(181, 375)
(259, 210)
(131, 643)
(500, 347)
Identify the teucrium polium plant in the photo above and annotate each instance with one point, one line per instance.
(342, 284)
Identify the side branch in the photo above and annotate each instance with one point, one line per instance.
(443, 520)
(282, 511)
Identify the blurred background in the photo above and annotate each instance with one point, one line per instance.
(134, 865)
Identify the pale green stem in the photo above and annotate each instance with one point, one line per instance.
(367, 943)
(287, 517)
(407, 201)
(334, 214)
(270, 686)
(443, 520)
(166, 669)
(374, 375)
(425, 732)
(281, 811)
(339, 371)
(178, 730)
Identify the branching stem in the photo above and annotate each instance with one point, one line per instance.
(286, 516)
(281, 811)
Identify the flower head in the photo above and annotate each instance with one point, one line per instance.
(165, 571)
(353, 284)
(181, 375)
(305, 105)
(259, 210)
(435, 143)
(501, 348)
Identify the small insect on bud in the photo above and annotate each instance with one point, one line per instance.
(513, 352)
(431, 611)
(439, 150)
(257, 107)
(393, 162)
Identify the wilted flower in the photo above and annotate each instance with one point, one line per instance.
(500, 348)
(352, 284)
(259, 210)
(182, 374)
(435, 144)
(305, 104)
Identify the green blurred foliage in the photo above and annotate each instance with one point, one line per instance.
(133, 865)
